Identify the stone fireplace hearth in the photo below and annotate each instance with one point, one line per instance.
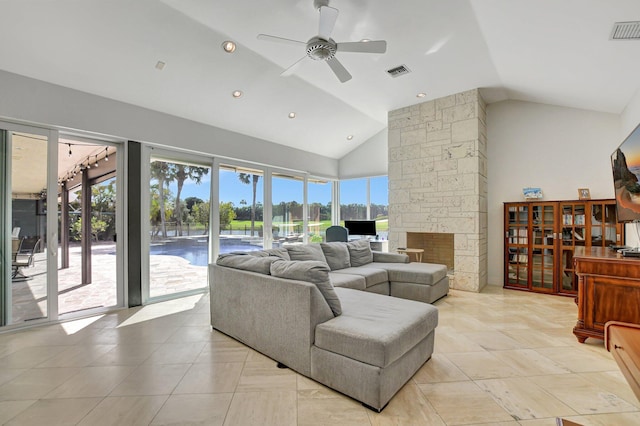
(438, 181)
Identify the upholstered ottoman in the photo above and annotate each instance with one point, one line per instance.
(425, 282)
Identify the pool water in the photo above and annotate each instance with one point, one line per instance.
(196, 251)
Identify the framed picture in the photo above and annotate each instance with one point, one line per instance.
(584, 194)
(532, 193)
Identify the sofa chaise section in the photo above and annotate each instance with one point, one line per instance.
(374, 347)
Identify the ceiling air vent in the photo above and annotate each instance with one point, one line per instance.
(398, 71)
(626, 31)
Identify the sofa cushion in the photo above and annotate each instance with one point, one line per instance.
(375, 329)
(310, 271)
(336, 254)
(306, 252)
(360, 252)
(379, 256)
(277, 252)
(414, 272)
(370, 273)
(245, 262)
(356, 282)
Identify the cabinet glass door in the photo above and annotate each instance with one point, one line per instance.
(543, 250)
(517, 240)
(573, 235)
(604, 228)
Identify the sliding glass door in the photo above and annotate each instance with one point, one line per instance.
(28, 187)
(89, 254)
(179, 211)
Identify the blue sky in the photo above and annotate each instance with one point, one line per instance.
(231, 189)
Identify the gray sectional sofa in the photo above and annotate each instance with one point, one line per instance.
(324, 310)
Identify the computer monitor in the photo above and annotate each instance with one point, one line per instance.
(361, 227)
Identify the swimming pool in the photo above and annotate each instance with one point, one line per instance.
(196, 251)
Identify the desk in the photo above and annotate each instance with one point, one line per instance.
(608, 290)
(379, 245)
(409, 251)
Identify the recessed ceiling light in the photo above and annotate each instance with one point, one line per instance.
(160, 65)
(292, 115)
(349, 137)
(229, 46)
(421, 95)
(237, 94)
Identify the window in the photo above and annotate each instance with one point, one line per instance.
(241, 209)
(366, 199)
(287, 209)
(319, 216)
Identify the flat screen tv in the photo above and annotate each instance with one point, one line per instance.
(361, 227)
(625, 163)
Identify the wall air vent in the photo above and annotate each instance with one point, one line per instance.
(626, 31)
(398, 71)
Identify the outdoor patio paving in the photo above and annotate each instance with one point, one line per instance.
(169, 274)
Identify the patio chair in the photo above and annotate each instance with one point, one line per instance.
(29, 246)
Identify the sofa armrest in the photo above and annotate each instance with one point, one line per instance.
(379, 256)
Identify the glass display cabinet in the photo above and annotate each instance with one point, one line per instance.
(540, 239)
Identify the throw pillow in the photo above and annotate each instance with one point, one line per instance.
(306, 252)
(309, 271)
(243, 261)
(277, 252)
(360, 252)
(337, 255)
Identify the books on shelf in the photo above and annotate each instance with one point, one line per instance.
(569, 219)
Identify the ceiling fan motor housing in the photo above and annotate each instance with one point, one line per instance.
(321, 50)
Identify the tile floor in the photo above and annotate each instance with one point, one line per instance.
(501, 357)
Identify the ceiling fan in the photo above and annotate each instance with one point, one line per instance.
(323, 48)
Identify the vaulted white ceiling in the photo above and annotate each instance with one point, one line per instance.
(548, 51)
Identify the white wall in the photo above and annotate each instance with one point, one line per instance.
(557, 149)
(42, 103)
(368, 159)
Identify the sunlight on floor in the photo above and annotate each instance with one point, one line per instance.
(72, 327)
(151, 312)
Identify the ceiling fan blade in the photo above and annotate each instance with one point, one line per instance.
(339, 70)
(280, 39)
(377, 46)
(328, 16)
(292, 67)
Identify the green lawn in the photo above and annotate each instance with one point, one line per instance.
(382, 224)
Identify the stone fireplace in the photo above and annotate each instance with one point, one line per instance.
(437, 246)
(438, 182)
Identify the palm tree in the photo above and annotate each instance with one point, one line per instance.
(182, 173)
(163, 173)
(246, 178)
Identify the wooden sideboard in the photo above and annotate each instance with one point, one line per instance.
(623, 341)
(608, 290)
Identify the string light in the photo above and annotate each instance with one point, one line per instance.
(83, 166)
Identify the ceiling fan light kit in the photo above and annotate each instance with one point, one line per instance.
(323, 48)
